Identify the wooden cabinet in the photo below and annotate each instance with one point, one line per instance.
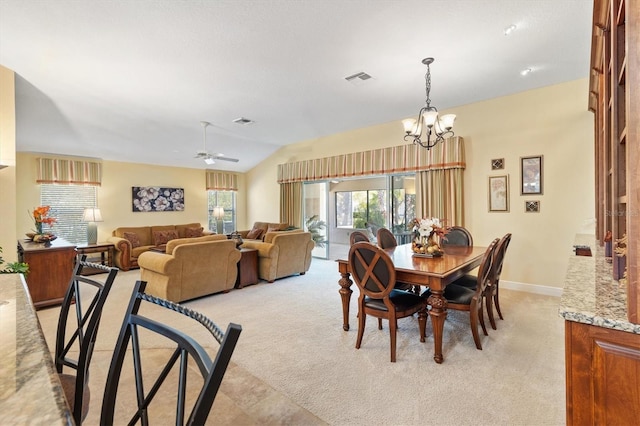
(247, 268)
(50, 270)
(603, 375)
(615, 99)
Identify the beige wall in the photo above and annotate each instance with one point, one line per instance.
(552, 121)
(114, 196)
(8, 234)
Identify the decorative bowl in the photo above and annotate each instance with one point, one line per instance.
(44, 238)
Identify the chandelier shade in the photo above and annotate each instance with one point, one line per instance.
(429, 128)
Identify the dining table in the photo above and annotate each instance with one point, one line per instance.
(419, 270)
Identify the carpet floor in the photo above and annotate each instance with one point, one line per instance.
(295, 365)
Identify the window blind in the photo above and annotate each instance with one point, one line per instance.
(67, 206)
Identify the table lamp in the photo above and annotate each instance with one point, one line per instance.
(218, 213)
(92, 215)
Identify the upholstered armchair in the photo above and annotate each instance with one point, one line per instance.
(282, 253)
(188, 270)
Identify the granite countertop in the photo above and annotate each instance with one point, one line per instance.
(591, 295)
(30, 391)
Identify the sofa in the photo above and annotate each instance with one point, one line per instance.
(190, 268)
(282, 253)
(130, 242)
(259, 230)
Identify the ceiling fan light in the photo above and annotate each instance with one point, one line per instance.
(209, 161)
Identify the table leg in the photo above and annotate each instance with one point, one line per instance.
(345, 294)
(438, 313)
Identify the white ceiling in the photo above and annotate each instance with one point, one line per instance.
(131, 80)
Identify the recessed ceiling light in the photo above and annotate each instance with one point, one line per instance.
(525, 71)
(508, 30)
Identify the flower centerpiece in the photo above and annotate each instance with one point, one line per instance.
(40, 216)
(426, 236)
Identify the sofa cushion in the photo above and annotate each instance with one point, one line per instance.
(193, 232)
(255, 234)
(163, 237)
(133, 239)
(182, 229)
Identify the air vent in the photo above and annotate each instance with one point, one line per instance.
(358, 77)
(243, 121)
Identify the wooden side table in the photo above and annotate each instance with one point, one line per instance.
(247, 268)
(106, 256)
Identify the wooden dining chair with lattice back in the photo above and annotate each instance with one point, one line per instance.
(492, 291)
(462, 298)
(189, 354)
(375, 276)
(457, 236)
(77, 330)
(386, 239)
(358, 236)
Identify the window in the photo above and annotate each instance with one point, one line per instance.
(403, 202)
(67, 206)
(226, 200)
(356, 209)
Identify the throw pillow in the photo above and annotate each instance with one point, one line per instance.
(132, 237)
(163, 237)
(193, 232)
(273, 229)
(254, 234)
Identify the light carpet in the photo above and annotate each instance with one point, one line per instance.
(292, 339)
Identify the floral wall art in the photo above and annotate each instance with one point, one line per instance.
(157, 199)
(499, 193)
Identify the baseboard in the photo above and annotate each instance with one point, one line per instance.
(532, 288)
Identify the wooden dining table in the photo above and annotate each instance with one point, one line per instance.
(434, 273)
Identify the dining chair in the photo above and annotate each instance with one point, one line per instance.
(374, 274)
(463, 298)
(358, 236)
(457, 236)
(386, 239)
(492, 291)
(77, 330)
(190, 354)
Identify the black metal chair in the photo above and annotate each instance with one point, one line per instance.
(187, 351)
(375, 276)
(74, 349)
(457, 236)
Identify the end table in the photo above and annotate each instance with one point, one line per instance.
(247, 268)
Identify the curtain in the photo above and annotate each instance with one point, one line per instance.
(439, 193)
(222, 181)
(69, 172)
(291, 204)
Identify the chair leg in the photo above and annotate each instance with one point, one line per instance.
(422, 324)
(481, 316)
(362, 319)
(393, 326)
(496, 300)
(488, 299)
(379, 323)
(473, 316)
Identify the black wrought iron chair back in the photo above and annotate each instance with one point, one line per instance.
(458, 236)
(358, 236)
(212, 371)
(74, 349)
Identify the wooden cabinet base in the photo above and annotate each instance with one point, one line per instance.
(603, 375)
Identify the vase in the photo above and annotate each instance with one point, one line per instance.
(39, 228)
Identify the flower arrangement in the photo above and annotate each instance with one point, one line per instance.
(426, 235)
(40, 216)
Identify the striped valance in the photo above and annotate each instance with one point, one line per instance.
(222, 181)
(69, 172)
(397, 159)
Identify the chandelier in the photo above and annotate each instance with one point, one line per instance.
(436, 129)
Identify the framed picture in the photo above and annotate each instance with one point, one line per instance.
(497, 164)
(157, 199)
(531, 175)
(499, 193)
(532, 206)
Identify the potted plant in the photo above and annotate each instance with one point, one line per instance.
(315, 225)
(13, 267)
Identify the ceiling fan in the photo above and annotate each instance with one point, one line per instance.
(205, 155)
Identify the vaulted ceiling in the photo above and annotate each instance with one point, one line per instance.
(132, 80)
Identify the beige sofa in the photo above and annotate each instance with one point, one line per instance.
(190, 268)
(282, 253)
(126, 256)
(263, 227)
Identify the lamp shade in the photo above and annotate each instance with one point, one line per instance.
(218, 212)
(92, 214)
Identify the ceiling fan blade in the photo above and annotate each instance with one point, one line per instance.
(223, 158)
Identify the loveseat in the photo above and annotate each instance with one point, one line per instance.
(190, 268)
(259, 230)
(282, 253)
(131, 242)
